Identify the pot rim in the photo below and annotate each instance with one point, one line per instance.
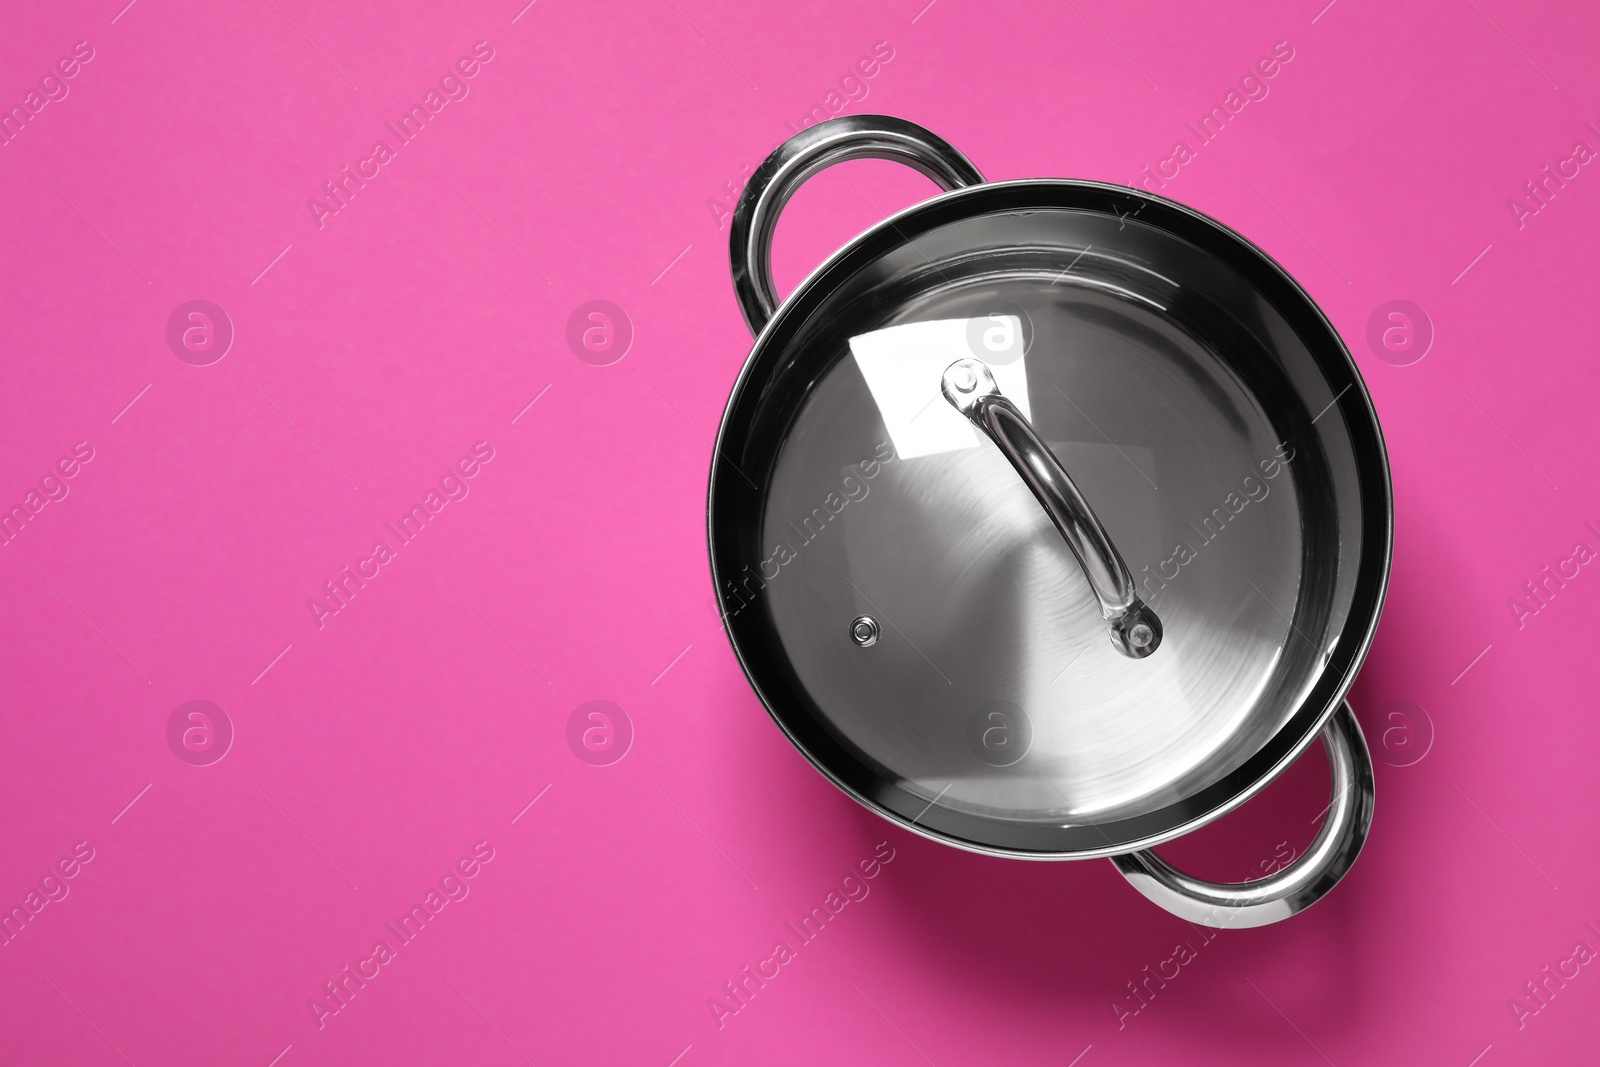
(1332, 356)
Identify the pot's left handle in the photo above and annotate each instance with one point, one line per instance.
(801, 156)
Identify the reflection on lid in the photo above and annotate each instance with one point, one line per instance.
(903, 366)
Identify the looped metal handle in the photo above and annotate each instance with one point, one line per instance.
(1303, 882)
(970, 387)
(807, 152)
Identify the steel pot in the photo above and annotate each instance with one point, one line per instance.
(1050, 519)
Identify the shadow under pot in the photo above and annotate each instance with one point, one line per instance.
(1050, 519)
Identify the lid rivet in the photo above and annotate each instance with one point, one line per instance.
(864, 630)
(965, 379)
(1141, 635)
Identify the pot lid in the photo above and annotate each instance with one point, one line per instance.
(950, 634)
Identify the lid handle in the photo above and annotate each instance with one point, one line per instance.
(813, 149)
(970, 387)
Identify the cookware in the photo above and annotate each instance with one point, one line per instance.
(1050, 519)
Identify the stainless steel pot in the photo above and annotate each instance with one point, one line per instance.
(1050, 519)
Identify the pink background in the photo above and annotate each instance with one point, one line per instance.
(588, 162)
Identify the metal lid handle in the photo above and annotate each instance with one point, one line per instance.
(807, 152)
(1303, 882)
(970, 387)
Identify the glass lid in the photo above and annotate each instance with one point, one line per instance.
(1059, 521)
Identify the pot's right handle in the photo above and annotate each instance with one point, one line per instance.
(801, 156)
(1303, 882)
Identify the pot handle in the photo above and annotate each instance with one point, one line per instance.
(807, 152)
(1303, 882)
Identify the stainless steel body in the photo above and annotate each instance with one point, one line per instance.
(1212, 471)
